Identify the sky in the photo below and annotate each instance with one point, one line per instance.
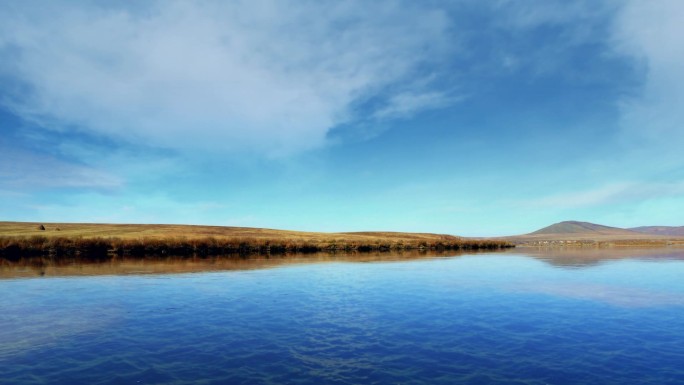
(463, 117)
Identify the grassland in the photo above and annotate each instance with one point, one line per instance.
(26, 240)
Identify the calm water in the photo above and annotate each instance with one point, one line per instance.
(510, 318)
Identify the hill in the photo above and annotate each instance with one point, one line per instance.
(584, 233)
(677, 231)
(586, 228)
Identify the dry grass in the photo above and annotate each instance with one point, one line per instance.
(21, 240)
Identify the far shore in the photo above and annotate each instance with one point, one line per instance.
(61, 241)
(64, 240)
(595, 241)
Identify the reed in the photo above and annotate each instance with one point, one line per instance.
(19, 247)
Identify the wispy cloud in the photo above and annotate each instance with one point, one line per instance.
(407, 103)
(22, 171)
(614, 193)
(263, 76)
(133, 208)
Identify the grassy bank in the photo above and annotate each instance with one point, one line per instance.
(13, 248)
(28, 240)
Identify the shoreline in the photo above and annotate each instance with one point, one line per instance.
(102, 240)
(13, 248)
(599, 243)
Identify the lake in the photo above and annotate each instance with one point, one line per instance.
(517, 317)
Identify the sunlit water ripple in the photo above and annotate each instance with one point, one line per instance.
(480, 319)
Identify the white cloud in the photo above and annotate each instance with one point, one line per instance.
(592, 197)
(267, 76)
(650, 32)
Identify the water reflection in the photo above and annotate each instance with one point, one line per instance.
(52, 324)
(615, 295)
(176, 265)
(615, 276)
(492, 318)
(591, 256)
(558, 257)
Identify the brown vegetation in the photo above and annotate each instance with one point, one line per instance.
(17, 241)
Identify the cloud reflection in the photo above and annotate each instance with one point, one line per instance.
(609, 294)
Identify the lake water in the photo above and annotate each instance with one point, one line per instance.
(519, 317)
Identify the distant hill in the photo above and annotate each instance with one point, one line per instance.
(585, 233)
(584, 228)
(675, 231)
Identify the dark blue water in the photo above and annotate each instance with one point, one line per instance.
(481, 319)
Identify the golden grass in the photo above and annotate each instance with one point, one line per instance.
(20, 240)
(136, 231)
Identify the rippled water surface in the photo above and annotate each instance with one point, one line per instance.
(510, 318)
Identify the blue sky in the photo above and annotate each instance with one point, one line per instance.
(465, 117)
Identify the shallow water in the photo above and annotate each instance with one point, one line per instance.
(522, 317)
